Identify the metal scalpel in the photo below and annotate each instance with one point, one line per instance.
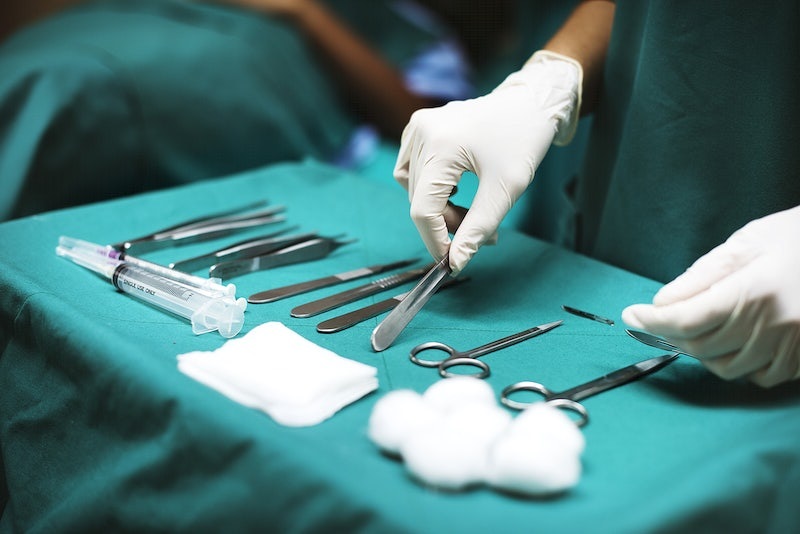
(271, 295)
(351, 295)
(394, 323)
(339, 323)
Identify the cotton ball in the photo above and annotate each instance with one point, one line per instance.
(453, 455)
(398, 415)
(440, 457)
(543, 422)
(478, 422)
(539, 454)
(452, 393)
(531, 467)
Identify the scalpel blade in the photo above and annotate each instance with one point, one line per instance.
(587, 315)
(271, 295)
(339, 299)
(394, 323)
(657, 342)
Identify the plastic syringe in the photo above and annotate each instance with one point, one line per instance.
(206, 313)
(210, 286)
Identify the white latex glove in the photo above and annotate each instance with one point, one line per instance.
(737, 308)
(501, 137)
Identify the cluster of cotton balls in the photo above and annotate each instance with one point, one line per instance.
(455, 436)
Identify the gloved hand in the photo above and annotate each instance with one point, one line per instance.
(501, 137)
(737, 308)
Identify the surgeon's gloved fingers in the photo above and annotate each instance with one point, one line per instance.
(491, 204)
(688, 320)
(472, 234)
(735, 365)
(709, 269)
(773, 356)
(403, 163)
(434, 235)
(741, 348)
(454, 216)
(429, 188)
(429, 212)
(785, 366)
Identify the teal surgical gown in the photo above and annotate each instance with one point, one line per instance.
(695, 135)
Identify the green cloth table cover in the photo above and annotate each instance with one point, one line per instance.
(100, 431)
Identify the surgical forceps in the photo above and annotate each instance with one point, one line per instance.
(469, 358)
(244, 249)
(204, 228)
(568, 399)
(309, 250)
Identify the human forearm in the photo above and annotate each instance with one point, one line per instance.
(373, 86)
(584, 37)
(19, 13)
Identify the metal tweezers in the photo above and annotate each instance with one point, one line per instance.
(309, 250)
(203, 228)
(248, 248)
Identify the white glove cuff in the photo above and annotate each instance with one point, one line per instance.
(556, 82)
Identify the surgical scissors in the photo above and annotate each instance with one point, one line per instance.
(568, 399)
(469, 358)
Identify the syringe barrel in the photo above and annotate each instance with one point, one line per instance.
(211, 287)
(205, 312)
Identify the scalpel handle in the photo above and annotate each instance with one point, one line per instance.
(278, 293)
(388, 330)
(354, 317)
(271, 295)
(340, 299)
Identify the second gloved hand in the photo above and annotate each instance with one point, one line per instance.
(501, 137)
(738, 307)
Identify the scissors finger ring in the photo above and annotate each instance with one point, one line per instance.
(455, 362)
(505, 396)
(469, 357)
(549, 398)
(569, 398)
(572, 406)
(431, 345)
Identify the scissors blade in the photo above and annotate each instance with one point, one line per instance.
(616, 378)
(271, 295)
(340, 299)
(394, 323)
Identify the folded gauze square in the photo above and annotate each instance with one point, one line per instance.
(274, 369)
